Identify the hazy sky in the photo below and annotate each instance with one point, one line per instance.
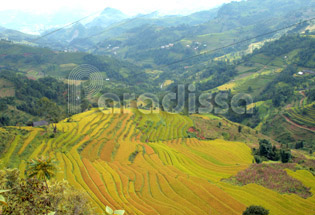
(130, 7)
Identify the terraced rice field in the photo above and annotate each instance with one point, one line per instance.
(169, 173)
(303, 116)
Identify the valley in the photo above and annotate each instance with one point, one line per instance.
(211, 112)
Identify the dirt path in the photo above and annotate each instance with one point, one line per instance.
(297, 125)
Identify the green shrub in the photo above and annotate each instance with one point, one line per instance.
(255, 210)
(267, 150)
(285, 156)
(258, 159)
(32, 196)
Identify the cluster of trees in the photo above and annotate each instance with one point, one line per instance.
(122, 72)
(220, 73)
(311, 95)
(4, 120)
(285, 45)
(18, 54)
(281, 89)
(44, 108)
(255, 210)
(45, 98)
(101, 66)
(4, 102)
(299, 145)
(37, 195)
(281, 95)
(43, 87)
(267, 151)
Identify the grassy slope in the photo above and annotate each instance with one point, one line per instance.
(169, 173)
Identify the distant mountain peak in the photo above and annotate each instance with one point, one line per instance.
(112, 11)
(107, 17)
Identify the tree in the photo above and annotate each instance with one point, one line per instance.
(240, 129)
(30, 196)
(4, 120)
(285, 156)
(41, 168)
(299, 145)
(264, 147)
(255, 210)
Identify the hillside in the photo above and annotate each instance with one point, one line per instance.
(268, 74)
(23, 100)
(147, 164)
(31, 77)
(38, 62)
(282, 97)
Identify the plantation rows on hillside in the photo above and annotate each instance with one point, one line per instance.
(303, 115)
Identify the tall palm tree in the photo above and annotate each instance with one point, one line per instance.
(41, 168)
